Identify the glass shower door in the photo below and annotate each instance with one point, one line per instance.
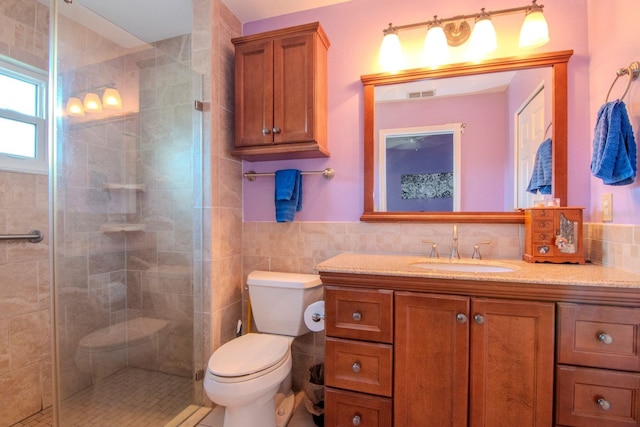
(126, 198)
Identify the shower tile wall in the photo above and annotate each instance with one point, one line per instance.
(25, 330)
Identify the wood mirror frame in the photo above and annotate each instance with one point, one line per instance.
(557, 60)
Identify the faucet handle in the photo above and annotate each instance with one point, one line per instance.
(476, 249)
(434, 249)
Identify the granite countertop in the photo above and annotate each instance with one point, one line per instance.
(523, 272)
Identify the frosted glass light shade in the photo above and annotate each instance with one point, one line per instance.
(534, 31)
(436, 50)
(111, 99)
(92, 103)
(483, 38)
(74, 107)
(391, 55)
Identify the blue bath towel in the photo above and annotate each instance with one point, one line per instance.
(288, 195)
(614, 147)
(542, 174)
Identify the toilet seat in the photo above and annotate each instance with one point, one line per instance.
(248, 357)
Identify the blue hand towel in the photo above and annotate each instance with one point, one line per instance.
(288, 195)
(614, 147)
(542, 174)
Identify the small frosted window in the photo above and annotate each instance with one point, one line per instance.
(18, 138)
(18, 95)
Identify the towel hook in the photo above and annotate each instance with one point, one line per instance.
(633, 70)
(547, 130)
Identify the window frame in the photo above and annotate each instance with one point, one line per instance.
(39, 163)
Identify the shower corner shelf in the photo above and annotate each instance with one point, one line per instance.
(117, 228)
(120, 186)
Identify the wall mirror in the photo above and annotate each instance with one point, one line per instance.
(489, 185)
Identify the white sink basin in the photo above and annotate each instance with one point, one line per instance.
(463, 267)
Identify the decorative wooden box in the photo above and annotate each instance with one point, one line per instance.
(553, 234)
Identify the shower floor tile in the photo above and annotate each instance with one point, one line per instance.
(130, 397)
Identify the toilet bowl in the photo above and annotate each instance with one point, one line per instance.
(245, 374)
(251, 375)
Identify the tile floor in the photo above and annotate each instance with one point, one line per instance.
(130, 397)
(152, 400)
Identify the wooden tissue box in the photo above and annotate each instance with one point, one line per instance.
(553, 234)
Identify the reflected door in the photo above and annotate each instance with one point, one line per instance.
(530, 134)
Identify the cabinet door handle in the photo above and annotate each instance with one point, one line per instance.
(277, 130)
(605, 338)
(604, 404)
(356, 316)
(356, 420)
(266, 131)
(356, 367)
(479, 319)
(461, 318)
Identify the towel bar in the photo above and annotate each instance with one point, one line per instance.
(633, 70)
(34, 236)
(328, 173)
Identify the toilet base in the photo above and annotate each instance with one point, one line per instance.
(258, 413)
(285, 410)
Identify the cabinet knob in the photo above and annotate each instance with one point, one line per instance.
(461, 318)
(604, 404)
(479, 319)
(277, 130)
(355, 367)
(266, 131)
(356, 420)
(356, 316)
(605, 338)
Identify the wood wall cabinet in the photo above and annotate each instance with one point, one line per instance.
(281, 94)
(598, 371)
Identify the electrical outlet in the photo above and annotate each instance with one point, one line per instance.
(607, 207)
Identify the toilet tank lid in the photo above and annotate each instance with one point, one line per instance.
(283, 280)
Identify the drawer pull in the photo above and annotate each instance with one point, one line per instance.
(605, 338)
(478, 319)
(356, 420)
(356, 316)
(461, 318)
(604, 404)
(356, 367)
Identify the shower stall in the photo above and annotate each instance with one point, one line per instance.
(126, 197)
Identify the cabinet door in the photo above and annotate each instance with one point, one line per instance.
(512, 351)
(294, 84)
(254, 94)
(431, 360)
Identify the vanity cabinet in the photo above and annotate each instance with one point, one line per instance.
(436, 359)
(281, 94)
(598, 371)
(489, 358)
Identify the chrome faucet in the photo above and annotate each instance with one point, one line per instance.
(454, 245)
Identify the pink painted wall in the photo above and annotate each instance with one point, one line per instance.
(612, 45)
(484, 155)
(355, 30)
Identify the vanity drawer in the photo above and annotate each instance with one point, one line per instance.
(359, 314)
(599, 336)
(359, 366)
(596, 397)
(347, 409)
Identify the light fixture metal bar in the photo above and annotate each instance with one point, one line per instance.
(465, 17)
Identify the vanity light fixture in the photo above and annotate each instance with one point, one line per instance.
(92, 103)
(534, 32)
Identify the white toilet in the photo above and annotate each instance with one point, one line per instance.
(251, 375)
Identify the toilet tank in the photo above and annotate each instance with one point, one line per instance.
(278, 300)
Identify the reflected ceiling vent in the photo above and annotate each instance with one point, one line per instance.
(422, 94)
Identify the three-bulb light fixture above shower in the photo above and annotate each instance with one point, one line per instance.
(455, 31)
(92, 102)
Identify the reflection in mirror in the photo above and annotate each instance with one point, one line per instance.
(419, 169)
(506, 106)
